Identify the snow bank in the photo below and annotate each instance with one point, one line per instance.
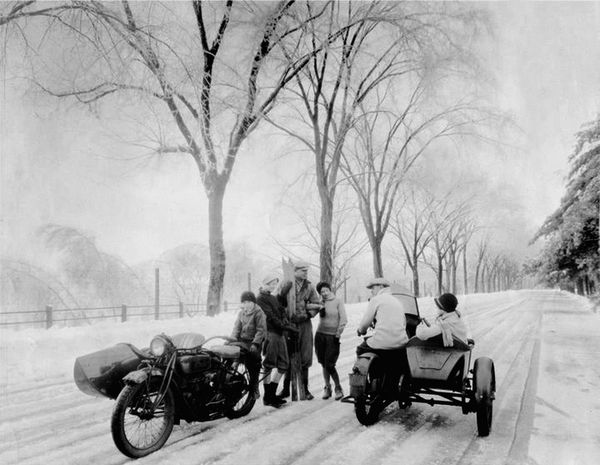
(34, 355)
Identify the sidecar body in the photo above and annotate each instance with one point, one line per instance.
(100, 373)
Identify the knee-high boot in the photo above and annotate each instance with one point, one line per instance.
(309, 396)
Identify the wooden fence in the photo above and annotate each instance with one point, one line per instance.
(50, 316)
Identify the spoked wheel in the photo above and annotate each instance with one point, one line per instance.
(370, 404)
(138, 429)
(245, 403)
(484, 381)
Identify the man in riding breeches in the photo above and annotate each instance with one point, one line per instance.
(308, 304)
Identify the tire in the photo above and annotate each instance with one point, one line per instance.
(245, 404)
(133, 434)
(370, 404)
(484, 386)
(367, 409)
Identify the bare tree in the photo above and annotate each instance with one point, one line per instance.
(412, 226)
(210, 70)
(347, 242)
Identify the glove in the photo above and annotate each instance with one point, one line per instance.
(285, 288)
(299, 318)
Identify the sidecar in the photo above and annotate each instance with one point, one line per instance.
(434, 375)
(443, 374)
(101, 373)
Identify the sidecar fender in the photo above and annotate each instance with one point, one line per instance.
(358, 376)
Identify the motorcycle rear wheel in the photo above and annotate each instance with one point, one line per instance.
(135, 430)
(245, 404)
(367, 409)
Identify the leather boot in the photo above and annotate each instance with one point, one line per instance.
(270, 398)
(309, 396)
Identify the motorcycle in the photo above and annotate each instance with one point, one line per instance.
(176, 378)
(420, 369)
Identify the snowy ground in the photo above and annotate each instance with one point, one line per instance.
(545, 346)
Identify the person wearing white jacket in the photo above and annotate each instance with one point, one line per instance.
(449, 322)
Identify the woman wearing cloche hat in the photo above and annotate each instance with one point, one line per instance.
(448, 324)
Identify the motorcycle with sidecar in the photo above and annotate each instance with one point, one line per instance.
(435, 375)
(176, 378)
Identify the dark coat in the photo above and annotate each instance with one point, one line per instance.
(277, 320)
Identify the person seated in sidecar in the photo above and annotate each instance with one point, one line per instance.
(249, 331)
(448, 324)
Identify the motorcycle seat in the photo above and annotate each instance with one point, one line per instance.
(226, 351)
(188, 340)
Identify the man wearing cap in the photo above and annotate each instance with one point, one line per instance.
(386, 314)
(308, 304)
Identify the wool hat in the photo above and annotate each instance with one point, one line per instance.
(323, 284)
(300, 265)
(447, 302)
(378, 282)
(268, 278)
(248, 296)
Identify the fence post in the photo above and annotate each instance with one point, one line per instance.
(48, 316)
(123, 313)
(180, 309)
(156, 293)
(225, 306)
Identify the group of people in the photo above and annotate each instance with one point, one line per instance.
(265, 327)
(268, 333)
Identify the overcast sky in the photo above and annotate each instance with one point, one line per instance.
(58, 166)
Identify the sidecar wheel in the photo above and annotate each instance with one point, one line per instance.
(484, 381)
(245, 404)
(136, 432)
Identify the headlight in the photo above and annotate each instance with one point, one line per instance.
(158, 346)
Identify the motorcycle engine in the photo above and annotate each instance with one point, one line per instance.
(203, 391)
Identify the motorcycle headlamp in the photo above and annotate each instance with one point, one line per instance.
(159, 346)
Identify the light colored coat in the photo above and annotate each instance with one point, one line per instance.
(448, 325)
(390, 329)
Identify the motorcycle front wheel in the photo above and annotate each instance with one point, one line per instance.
(245, 403)
(137, 430)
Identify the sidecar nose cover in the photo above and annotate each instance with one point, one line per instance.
(100, 373)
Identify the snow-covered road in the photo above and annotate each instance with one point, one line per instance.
(545, 345)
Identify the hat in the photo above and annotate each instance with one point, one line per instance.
(268, 278)
(299, 265)
(248, 296)
(378, 282)
(447, 302)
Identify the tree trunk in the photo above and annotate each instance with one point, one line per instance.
(440, 274)
(465, 275)
(377, 261)
(415, 273)
(326, 249)
(217, 250)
